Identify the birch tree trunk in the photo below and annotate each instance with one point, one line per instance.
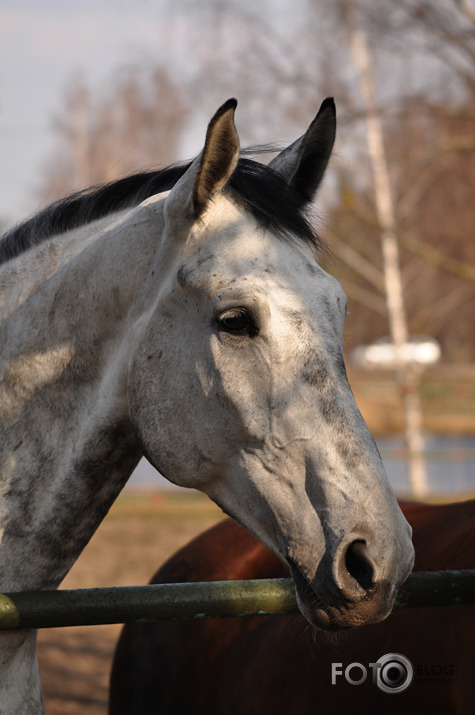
(408, 376)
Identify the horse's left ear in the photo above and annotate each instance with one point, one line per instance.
(210, 171)
(303, 163)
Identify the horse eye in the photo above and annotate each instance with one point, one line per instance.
(237, 321)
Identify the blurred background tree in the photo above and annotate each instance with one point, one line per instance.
(280, 60)
(135, 125)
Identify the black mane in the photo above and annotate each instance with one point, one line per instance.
(259, 190)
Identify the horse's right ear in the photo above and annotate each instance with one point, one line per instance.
(303, 163)
(211, 170)
(219, 157)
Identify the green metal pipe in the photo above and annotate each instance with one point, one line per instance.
(132, 604)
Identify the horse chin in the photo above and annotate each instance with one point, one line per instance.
(328, 613)
(344, 617)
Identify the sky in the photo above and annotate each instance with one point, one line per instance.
(43, 44)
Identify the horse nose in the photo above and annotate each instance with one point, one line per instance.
(354, 571)
(355, 582)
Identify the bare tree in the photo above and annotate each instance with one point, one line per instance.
(137, 124)
(407, 376)
(433, 174)
(280, 60)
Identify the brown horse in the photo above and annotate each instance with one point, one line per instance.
(280, 664)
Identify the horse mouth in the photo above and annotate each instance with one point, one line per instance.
(327, 609)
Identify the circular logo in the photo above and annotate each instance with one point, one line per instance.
(395, 673)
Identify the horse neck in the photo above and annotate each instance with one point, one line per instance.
(67, 442)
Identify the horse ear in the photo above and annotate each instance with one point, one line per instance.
(211, 169)
(303, 163)
(219, 156)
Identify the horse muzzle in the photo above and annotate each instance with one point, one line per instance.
(346, 590)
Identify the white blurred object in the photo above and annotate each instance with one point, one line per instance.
(419, 349)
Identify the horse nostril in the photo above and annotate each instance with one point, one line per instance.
(358, 565)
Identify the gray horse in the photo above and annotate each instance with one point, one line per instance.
(195, 328)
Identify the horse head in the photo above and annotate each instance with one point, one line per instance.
(237, 385)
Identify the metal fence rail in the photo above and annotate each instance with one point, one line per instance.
(132, 604)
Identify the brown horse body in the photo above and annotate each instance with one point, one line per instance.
(279, 664)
